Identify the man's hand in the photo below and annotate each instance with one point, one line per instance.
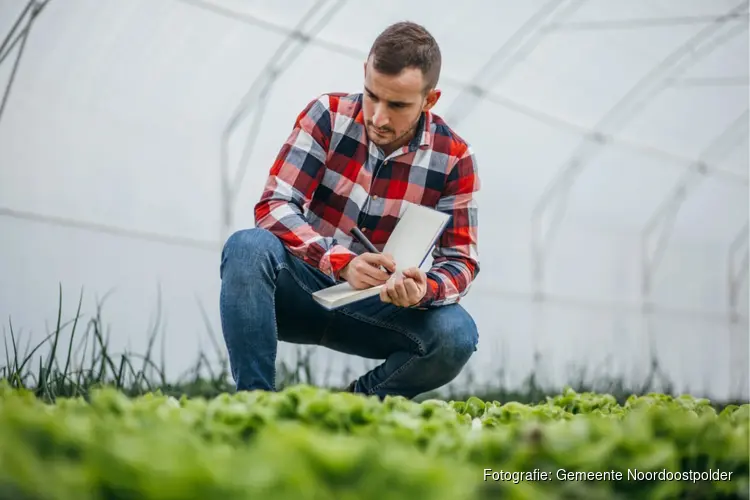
(364, 270)
(407, 290)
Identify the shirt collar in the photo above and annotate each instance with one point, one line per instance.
(423, 136)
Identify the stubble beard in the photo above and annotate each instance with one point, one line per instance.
(410, 132)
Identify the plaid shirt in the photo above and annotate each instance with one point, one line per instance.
(328, 177)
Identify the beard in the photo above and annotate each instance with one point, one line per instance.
(389, 136)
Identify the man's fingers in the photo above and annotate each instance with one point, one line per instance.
(412, 290)
(376, 259)
(397, 292)
(390, 263)
(375, 273)
(370, 281)
(365, 272)
(415, 274)
(360, 279)
(401, 291)
(371, 266)
(391, 291)
(358, 284)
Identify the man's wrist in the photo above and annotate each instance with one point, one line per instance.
(341, 275)
(339, 262)
(430, 293)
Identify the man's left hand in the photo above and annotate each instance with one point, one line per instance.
(407, 290)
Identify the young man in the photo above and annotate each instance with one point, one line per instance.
(351, 160)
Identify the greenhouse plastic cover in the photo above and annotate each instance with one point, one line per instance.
(611, 140)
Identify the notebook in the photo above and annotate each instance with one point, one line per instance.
(411, 241)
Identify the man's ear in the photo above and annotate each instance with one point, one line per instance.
(431, 99)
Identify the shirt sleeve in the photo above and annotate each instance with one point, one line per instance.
(293, 178)
(456, 255)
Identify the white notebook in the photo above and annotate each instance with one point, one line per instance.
(410, 243)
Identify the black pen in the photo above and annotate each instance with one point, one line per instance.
(363, 239)
(359, 235)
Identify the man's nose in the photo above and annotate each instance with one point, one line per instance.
(379, 119)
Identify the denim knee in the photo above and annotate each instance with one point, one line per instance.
(455, 335)
(452, 340)
(246, 245)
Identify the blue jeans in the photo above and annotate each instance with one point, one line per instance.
(266, 297)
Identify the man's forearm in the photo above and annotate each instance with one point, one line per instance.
(286, 220)
(292, 181)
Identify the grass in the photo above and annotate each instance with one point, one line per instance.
(89, 363)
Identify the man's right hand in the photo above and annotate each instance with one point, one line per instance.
(363, 271)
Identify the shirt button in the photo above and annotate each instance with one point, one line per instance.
(375, 197)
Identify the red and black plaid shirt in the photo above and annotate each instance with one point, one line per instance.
(328, 178)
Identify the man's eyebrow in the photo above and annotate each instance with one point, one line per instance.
(398, 103)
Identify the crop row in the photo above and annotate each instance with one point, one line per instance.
(305, 442)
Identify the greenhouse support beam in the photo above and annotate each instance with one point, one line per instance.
(657, 231)
(665, 158)
(641, 23)
(32, 10)
(737, 271)
(556, 194)
(502, 61)
(254, 102)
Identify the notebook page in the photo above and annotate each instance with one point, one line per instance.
(414, 235)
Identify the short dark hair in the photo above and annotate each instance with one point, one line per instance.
(407, 45)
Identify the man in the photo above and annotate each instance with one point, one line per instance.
(351, 160)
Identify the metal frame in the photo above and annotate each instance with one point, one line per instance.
(661, 224)
(489, 95)
(121, 232)
(643, 22)
(698, 46)
(521, 43)
(255, 99)
(738, 260)
(32, 10)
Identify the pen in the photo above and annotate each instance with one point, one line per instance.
(363, 239)
(359, 235)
